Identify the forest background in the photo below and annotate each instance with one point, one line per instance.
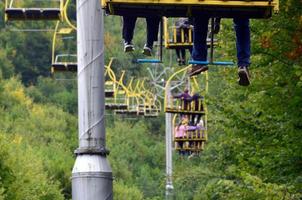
(255, 133)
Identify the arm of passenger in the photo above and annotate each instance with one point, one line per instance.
(178, 96)
(191, 128)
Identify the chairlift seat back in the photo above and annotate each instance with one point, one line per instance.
(188, 8)
(33, 13)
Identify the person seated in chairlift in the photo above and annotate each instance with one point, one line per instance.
(182, 25)
(187, 99)
(152, 32)
(180, 133)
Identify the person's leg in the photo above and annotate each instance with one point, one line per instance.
(200, 38)
(200, 49)
(178, 56)
(243, 41)
(183, 56)
(128, 31)
(243, 45)
(152, 30)
(128, 27)
(191, 50)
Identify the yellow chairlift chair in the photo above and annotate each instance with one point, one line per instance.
(186, 36)
(132, 99)
(193, 140)
(181, 106)
(151, 106)
(118, 100)
(187, 8)
(64, 58)
(110, 85)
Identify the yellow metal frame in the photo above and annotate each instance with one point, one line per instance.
(63, 8)
(152, 106)
(195, 87)
(178, 107)
(172, 41)
(61, 31)
(119, 88)
(191, 136)
(170, 37)
(110, 83)
(109, 5)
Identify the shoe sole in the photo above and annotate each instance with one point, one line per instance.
(243, 78)
(128, 49)
(198, 71)
(146, 52)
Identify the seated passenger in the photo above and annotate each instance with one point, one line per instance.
(182, 25)
(152, 32)
(187, 99)
(180, 133)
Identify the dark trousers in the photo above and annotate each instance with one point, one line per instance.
(243, 41)
(181, 52)
(152, 28)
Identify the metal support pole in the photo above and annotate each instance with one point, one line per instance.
(212, 41)
(169, 183)
(161, 28)
(91, 174)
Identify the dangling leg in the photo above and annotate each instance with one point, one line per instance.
(128, 31)
(200, 48)
(152, 33)
(243, 45)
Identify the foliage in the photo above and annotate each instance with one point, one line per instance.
(254, 149)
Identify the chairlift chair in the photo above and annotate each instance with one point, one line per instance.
(180, 106)
(34, 10)
(67, 61)
(188, 8)
(134, 101)
(172, 42)
(110, 85)
(192, 141)
(151, 105)
(117, 99)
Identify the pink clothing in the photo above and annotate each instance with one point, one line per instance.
(180, 131)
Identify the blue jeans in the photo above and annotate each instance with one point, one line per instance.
(243, 41)
(152, 28)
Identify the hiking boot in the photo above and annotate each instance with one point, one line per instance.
(197, 69)
(244, 76)
(147, 50)
(128, 47)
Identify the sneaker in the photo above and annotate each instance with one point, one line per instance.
(128, 47)
(244, 76)
(197, 69)
(179, 61)
(147, 50)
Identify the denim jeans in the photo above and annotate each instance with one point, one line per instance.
(243, 42)
(152, 28)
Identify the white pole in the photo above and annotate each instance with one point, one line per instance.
(169, 183)
(91, 174)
